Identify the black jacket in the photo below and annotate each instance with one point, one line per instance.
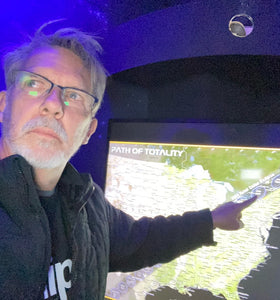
(101, 237)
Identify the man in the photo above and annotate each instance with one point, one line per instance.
(59, 236)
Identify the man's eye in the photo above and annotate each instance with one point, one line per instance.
(32, 83)
(73, 96)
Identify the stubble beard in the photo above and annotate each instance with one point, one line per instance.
(49, 156)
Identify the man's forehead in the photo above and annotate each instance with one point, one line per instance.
(47, 56)
(56, 59)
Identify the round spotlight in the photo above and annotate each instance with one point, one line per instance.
(241, 25)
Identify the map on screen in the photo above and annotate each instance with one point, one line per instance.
(150, 179)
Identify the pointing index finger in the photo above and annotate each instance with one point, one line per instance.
(247, 202)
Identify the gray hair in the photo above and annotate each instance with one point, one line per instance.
(83, 45)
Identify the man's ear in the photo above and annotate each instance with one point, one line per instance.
(91, 131)
(2, 104)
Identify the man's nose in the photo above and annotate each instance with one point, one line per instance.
(53, 104)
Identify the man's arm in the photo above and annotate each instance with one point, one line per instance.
(140, 243)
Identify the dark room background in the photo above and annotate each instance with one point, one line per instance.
(167, 60)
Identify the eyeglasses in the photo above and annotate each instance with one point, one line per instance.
(36, 85)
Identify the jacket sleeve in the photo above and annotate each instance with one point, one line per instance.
(147, 241)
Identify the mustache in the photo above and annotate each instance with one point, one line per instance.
(48, 123)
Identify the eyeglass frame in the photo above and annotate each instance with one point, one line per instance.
(95, 102)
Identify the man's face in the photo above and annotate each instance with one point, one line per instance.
(43, 129)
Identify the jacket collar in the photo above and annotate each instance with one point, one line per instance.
(72, 184)
(76, 186)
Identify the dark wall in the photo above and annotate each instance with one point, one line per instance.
(180, 62)
(192, 29)
(233, 88)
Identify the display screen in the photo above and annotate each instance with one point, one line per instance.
(169, 168)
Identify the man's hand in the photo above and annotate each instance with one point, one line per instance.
(228, 215)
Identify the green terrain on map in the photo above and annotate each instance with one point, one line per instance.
(225, 164)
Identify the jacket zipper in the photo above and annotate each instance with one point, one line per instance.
(20, 171)
(75, 251)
